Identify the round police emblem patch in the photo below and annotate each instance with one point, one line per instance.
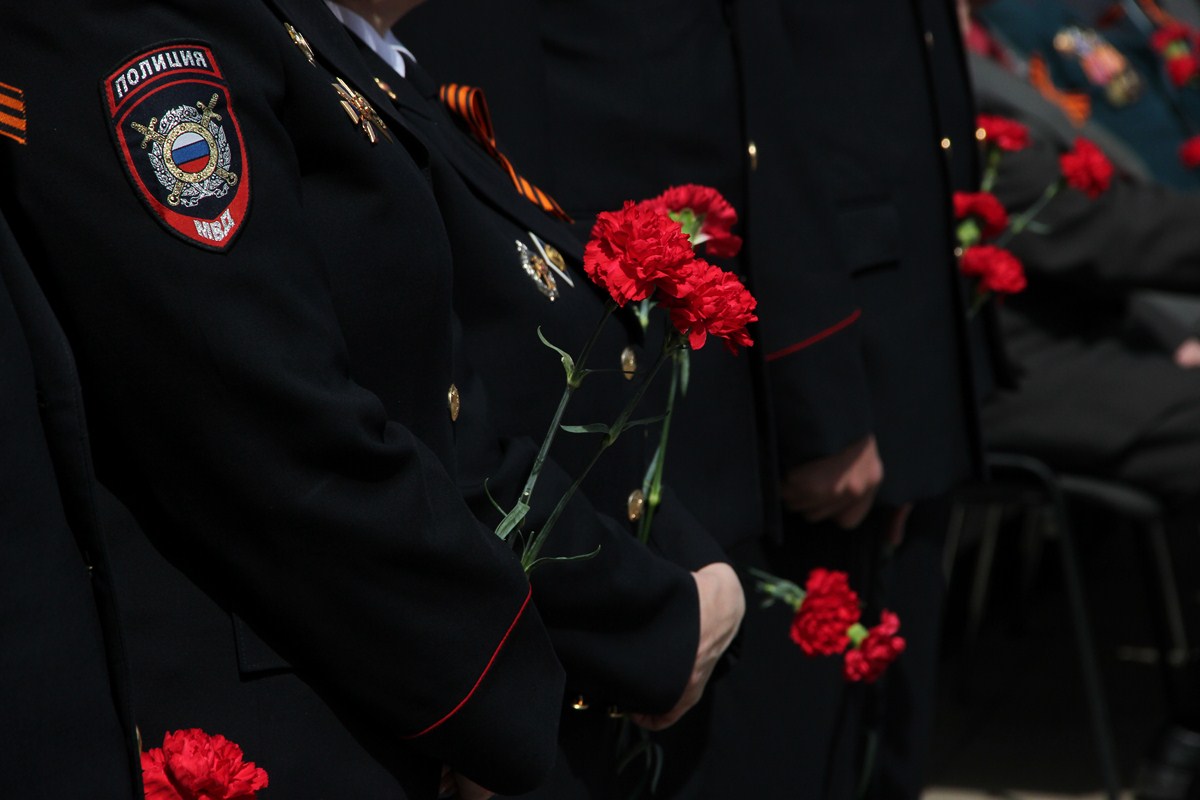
(177, 135)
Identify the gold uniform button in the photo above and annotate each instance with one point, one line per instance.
(628, 363)
(454, 402)
(635, 505)
(958, 251)
(580, 704)
(980, 134)
(929, 38)
(752, 152)
(946, 144)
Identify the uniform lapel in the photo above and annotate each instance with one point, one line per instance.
(336, 49)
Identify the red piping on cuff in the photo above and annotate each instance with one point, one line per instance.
(816, 337)
(483, 674)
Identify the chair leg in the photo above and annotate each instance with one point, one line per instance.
(1097, 705)
(1172, 608)
(1032, 545)
(983, 572)
(954, 531)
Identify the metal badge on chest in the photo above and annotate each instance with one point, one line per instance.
(544, 265)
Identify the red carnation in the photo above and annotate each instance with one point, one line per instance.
(713, 212)
(1181, 68)
(985, 208)
(708, 300)
(1168, 34)
(633, 250)
(829, 608)
(1003, 132)
(881, 647)
(997, 269)
(191, 765)
(1189, 152)
(1086, 168)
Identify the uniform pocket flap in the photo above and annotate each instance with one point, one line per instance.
(869, 235)
(255, 655)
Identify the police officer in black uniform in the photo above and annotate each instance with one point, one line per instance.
(325, 59)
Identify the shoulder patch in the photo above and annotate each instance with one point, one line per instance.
(175, 130)
(12, 113)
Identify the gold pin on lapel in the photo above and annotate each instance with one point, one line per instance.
(535, 267)
(361, 112)
(299, 40)
(383, 87)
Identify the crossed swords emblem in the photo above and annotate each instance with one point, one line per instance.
(167, 140)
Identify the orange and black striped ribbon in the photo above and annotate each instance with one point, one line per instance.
(1160, 18)
(12, 113)
(469, 105)
(1076, 105)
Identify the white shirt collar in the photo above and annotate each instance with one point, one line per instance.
(387, 46)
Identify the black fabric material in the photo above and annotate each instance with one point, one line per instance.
(67, 723)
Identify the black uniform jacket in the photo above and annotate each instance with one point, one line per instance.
(67, 723)
(267, 377)
(625, 608)
(891, 185)
(593, 145)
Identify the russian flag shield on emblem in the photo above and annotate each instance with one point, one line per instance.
(175, 130)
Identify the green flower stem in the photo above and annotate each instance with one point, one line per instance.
(1019, 224)
(977, 302)
(776, 588)
(573, 381)
(991, 170)
(653, 491)
(530, 554)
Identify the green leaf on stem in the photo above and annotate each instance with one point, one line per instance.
(595, 427)
(512, 520)
(637, 423)
(537, 562)
(567, 362)
(487, 491)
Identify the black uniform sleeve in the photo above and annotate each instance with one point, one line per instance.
(626, 622)
(1134, 236)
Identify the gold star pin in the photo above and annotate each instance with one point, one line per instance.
(361, 112)
(299, 40)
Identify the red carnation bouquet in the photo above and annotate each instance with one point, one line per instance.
(826, 622)
(645, 254)
(192, 765)
(1176, 44)
(985, 226)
